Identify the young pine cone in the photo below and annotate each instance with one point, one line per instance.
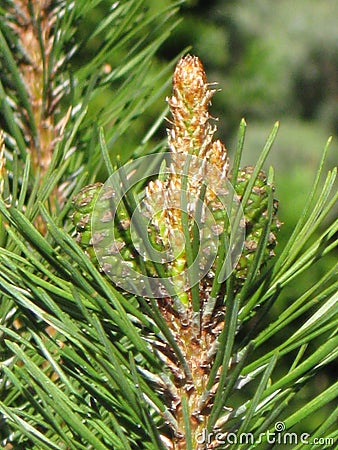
(112, 240)
(255, 215)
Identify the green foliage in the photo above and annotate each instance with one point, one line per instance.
(85, 383)
(78, 366)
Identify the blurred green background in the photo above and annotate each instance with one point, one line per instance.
(272, 60)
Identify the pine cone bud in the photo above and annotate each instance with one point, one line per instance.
(83, 204)
(111, 235)
(191, 132)
(256, 215)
